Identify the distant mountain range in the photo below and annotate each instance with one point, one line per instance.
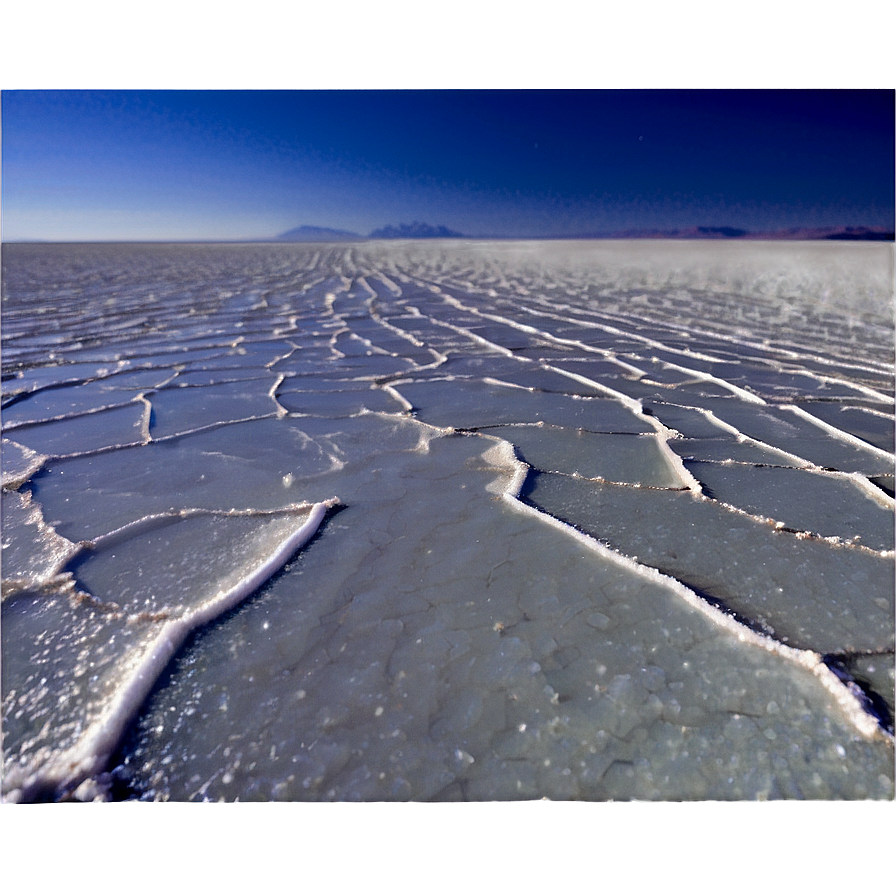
(421, 231)
(416, 231)
(735, 233)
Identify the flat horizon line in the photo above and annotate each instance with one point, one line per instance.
(888, 237)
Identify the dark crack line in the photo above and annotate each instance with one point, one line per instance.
(872, 702)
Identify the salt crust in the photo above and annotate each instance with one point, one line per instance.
(88, 757)
(22, 468)
(698, 374)
(743, 341)
(847, 437)
(631, 404)
(57, 551)
(785, 613)
(795, 459)
(515, 480)
(849, 702)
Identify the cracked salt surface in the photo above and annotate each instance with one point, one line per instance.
(447, 522)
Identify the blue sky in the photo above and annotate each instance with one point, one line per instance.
(181, 165)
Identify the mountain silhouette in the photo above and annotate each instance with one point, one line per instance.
(736, 233)
(416, 231)
(421, 231)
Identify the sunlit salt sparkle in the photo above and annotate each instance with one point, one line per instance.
(92, 750)
(445, 635)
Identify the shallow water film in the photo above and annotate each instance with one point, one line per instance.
(448, 521)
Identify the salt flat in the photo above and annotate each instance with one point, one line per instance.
(448, 520)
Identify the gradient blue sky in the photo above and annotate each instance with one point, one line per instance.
(181, 165)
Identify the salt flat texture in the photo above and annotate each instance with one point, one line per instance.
(448, 521)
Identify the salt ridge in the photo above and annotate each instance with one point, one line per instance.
(847, 698)
(70, 770)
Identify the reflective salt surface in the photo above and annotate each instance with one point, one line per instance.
(448, 521)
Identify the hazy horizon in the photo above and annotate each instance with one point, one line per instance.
(757, 237)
